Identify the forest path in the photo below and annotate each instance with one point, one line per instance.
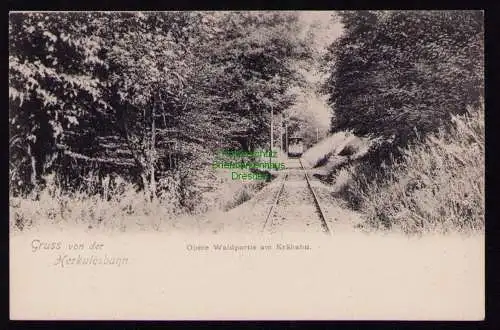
(294, 212)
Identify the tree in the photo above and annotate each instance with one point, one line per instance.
(394, 73)
(145, 95)
(54, 81)
(258, 54)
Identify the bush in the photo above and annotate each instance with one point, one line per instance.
(339, 143)
(437, 184)
(119, 206)
(241, 196)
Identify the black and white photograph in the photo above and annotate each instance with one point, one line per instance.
(308, 165)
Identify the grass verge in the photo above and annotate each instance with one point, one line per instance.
(436, 185)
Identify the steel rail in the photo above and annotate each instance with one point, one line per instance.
(322, 217)
(324, 224)
(275, 201)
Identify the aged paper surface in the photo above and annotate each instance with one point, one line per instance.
(351, 277)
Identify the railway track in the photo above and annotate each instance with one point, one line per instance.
(289, 197)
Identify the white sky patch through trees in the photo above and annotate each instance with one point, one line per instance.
(321, 28)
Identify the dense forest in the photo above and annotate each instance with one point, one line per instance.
(106, 108)
(395, 73)
(147, 95)
(413, 81)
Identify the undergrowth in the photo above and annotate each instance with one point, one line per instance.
(118, 204)
(435, 184)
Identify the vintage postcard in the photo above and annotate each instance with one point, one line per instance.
(247, 165)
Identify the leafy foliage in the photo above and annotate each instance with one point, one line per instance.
(437, 184)
(146, 95)
(54, 82)
(396, 71)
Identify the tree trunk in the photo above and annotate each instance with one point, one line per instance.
(152, 154)
(145, 183)
(33, 168)
(139, 156)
